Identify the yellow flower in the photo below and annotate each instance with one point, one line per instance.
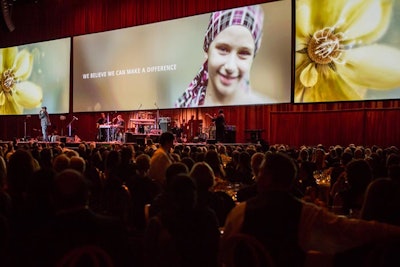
(16, 92)
(337, 54)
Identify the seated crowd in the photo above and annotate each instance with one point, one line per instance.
(169, 204)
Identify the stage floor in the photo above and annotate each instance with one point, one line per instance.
(141, 141)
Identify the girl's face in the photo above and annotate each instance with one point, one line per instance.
(230, 56)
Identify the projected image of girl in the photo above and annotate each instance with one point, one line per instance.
(231, 42)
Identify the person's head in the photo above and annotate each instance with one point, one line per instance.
(103, 115)
(174, 169)
(143, 163)
(167, 140)
(77, 163)
(212, 158)
(277, 171)
(44, 108)
(71, 190)
(189, 162)
(203, 175)
(61, 162)
(256, 161)
(359, 175)
(183, 192)
(20, 168)
(232, 39)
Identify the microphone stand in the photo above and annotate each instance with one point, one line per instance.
(158, 116)
(25, 121)
(108, 127)
(69, 126)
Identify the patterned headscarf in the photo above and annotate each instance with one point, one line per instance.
(251, 17)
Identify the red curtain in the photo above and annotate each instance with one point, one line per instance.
(361, 123)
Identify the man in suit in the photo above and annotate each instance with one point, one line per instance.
(44, 122)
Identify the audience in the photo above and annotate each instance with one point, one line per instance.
(89, 189)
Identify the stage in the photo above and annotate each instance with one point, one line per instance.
(138, 140)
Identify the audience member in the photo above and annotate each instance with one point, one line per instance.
(183, 234)
(61, 162)
(358, 177)
(77, 235)
(243, 173)
(161, 200)
(143, 190)
(220, 202)
(77, 163)
(250, 191)
(289, 227)
(162, 158)
(382, 201)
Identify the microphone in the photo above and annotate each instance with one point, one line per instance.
(139, 106)
(155, 104)
(75, 118)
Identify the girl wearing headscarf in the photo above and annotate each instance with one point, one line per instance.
(231, 42)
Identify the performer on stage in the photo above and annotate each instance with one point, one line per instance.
(102, 132)
(219, 121)
(44, 122)
(120, 128)
(140, 127)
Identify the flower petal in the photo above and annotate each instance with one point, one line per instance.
(28, 95)
(2, 98)
(9, 55)
(303, 20)
(324, 13)
(365, 20)
(309, 75)
(330, 87)
(376, 67)
(1, 61)
(10, 107)
(23, 65)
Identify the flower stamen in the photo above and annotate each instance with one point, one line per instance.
(325, 47)
(8, 80)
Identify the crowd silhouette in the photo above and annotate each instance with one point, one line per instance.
(170, 204)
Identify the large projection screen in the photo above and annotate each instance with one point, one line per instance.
(35, 75)
(347, 50)
(150, 66)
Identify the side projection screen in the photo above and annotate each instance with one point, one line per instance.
(347, 50)
(35, 75)
(237, 57)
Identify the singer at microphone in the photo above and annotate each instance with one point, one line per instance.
(75, 118)
(44, 122)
